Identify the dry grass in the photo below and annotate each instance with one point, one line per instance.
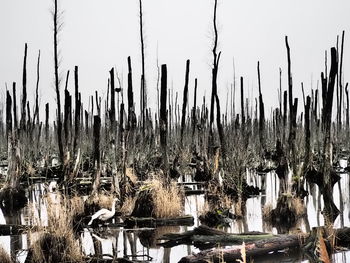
(77, 204)
(131, 174)
(168, 199)
(102, 200)
(4, 256)
(128, 205)
(57, 243)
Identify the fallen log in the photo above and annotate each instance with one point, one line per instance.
(131, 221)
(206, 237)
(262, 244)
(256, 248)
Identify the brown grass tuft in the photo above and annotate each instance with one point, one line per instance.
(4, 256)
(167, 199)
(102, 200)
(128, 205)
(57, 242)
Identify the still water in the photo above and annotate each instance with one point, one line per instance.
(141, 244)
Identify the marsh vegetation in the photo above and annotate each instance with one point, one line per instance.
(179, 178)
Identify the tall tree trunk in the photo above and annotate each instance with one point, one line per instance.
(77, 110)
(112, 112)
(330, 209)
(15, 124)
(36, 111)
(163, 120)
(143, 76)
(184, 104)
(57, 82)
(24, 92)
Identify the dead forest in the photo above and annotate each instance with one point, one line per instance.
(146, 158)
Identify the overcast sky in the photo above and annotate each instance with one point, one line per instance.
(98, 35)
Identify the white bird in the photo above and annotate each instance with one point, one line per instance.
(104, 214)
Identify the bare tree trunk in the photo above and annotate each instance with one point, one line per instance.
(97, 154)
(330, 209)
(112, 112)
(57, 82)
(47, 123)
(347, 106)
(143, 76)
(36, 111)
(8, 116)
(184, 104)
(77, 110)
(194, 113)
(261, 115)
(15, 124)
(131, 109)
(163, 120)
(24, 92)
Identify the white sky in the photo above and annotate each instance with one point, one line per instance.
(100, 34)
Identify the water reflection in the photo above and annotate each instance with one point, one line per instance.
(141, 244)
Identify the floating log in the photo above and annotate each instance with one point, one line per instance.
(187, 220)
(263, 244)
(256, 248)
(204, 236)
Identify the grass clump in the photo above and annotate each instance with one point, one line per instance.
(158, 199)
(167, 199)
(4, 256)
(57, 242)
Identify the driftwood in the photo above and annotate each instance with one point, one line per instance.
(256, 248)
(263, 243)
(154, 222)
(204, 236)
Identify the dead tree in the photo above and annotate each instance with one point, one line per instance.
(214, 95)
(36, 111)
(8, 115)
(47, 127)
(261, 115)
(293, 107)
(67, 111)
(330, 209)
(112, 111)
(97, 154)
(347, 106)
(131, 109)
(184, 104)
(163, 119)
(57, 80)
(15, 124)
(24, 91)
(194, 110)
(340, 81)
(77, 110)
(143, 76)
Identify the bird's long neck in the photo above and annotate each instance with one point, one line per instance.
(113, 206)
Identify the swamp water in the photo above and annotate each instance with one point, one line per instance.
(140, 245)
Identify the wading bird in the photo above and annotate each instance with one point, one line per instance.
(104, 214)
